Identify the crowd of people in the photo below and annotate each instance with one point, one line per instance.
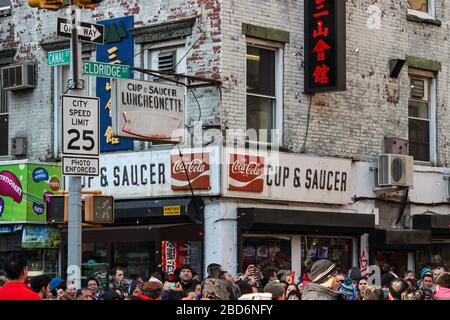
(320, 282)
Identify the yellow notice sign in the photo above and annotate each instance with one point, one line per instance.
(172, 211)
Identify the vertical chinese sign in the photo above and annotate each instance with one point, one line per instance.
(118, 49)
(325, 37)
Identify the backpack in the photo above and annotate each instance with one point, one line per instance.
(216, 289)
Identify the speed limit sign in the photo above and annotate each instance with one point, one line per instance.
(80, 125)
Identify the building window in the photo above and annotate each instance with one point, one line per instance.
(264, 91)
(5, 4)
(169, 56)
(422, 8)
(422, 117)
(4, 128)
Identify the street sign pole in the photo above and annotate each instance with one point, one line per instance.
(74, 219)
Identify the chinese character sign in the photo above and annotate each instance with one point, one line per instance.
(118, 49)
(324, 45)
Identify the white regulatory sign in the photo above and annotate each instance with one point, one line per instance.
(80, 125)
(80, 166)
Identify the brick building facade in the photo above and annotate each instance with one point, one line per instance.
(352, 124)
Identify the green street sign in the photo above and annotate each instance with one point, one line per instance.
(107, 70)
(56, 58)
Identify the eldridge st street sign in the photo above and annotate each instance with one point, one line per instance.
(106, 70)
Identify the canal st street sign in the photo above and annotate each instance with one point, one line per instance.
(87, 32)
(80, 135)
(56, 58)
(106, 70)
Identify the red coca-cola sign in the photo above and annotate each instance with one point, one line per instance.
(246, 173)
(198, 170)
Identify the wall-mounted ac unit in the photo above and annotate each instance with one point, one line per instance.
(395, 170)
(19, 76)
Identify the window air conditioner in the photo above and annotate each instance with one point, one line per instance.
(19, 77)
(395, 170)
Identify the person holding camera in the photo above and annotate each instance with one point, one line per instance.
(118, 284)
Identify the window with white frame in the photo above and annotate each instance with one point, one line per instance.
(264, 91)
(422, 116)
(422, 8)
(5, 4)
(4, 127)
(168, 56)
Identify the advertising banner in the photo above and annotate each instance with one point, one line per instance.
(41, 237)
(152, 174)
(283, 176)
(118, 49)
(25, 189)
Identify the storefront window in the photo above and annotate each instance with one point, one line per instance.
(338, 250)
(268, 251)
(42, 261)
(394, 261)
(436, 255)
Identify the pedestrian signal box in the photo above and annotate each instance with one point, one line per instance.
(58, 209)
(99, 209)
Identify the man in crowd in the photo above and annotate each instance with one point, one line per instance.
(17, 270)
(41, 285)
(323, 275)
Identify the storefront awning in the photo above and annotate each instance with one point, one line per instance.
(437, 224)
(158, 211)
(304, 221)
(401, 238)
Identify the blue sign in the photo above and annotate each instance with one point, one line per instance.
(40, 174)
(118, 49)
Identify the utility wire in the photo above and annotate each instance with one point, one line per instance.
(307, 124)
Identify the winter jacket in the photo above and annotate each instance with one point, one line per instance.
(442, 294)
(314, 291)
(17, 291)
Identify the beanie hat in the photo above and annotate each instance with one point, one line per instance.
(322, 270)
(186, 266)
(347, 287)
(55, 282)
(154, 279)
(275, 288)
(424, 272)
(355, 274)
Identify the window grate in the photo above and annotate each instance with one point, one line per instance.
(166, 61)
(418, 88)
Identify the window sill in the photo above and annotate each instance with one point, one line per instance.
(5, 12)
(423, 163)
(428, 20)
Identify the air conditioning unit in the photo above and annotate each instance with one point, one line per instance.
(395, 170)
(19, 77)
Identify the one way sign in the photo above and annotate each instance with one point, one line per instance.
(87, 32)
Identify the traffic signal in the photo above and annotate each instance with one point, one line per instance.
(58, 209)
(99, 209)
(87, 3)
(46, 4)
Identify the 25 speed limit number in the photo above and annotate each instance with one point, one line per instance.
(80, 125)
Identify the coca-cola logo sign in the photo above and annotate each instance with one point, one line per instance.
(193, 168)
(246, 173)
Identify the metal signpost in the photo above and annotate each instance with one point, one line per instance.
(80, 118)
